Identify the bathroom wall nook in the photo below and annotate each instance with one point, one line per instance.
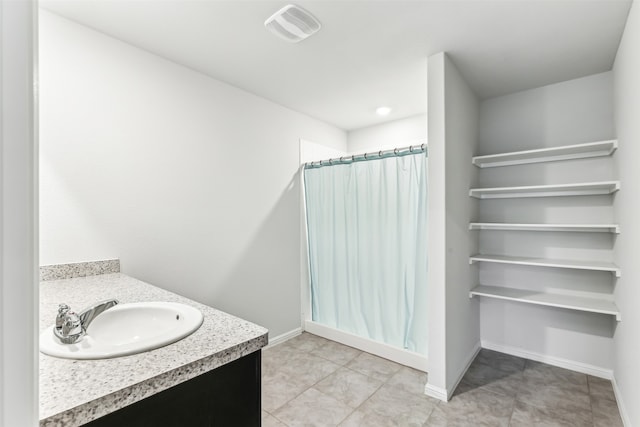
(546, 225)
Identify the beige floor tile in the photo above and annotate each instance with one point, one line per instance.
(439, 418)
(349, 387)
(371, 419)
(474, 408)
(409, 380)
(313, 408)
(599, 387)
(373, 366)
(279, 388)
(537, 373)
(270, 421)
(492, 379)
(402, 407)
(605, 413)
(310, 381)
(306, 342)
(564, 403)
(504, 362)
(274, 358)
(309, 369)
(282, 348)
(336, 352)
(527, 416)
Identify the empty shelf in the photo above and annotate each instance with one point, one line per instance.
(543, 262)
(595, 228)
(567, 152)
(592, 305)
(579, 189)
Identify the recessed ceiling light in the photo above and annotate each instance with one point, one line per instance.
(383, 111)
(292, 23)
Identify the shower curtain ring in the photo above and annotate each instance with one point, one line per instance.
(422, 147)
(353, 158)
(380, 153)
(365, 156)
(411, 148)
(395, 151)
(341, 159)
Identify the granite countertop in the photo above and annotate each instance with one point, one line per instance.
(74, 392)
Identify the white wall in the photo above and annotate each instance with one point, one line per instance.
(192, 183)
(627, 205)
(388, 135)
(571, 112)
(436, 217)
(454, 335)
(312, 152)
(18, 222)
(463, 334)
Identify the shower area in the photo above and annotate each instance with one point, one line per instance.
(366, 248)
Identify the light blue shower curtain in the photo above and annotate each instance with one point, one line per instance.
(367, 233)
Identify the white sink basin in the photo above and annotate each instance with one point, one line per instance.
(127, 329)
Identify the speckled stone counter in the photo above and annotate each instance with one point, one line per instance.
(74, 392)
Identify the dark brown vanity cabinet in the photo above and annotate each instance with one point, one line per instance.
(228, 396)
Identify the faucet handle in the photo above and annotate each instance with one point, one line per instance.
(70, 329)
(72, 324)
(63, 309)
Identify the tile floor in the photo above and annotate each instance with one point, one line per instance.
(310, 381)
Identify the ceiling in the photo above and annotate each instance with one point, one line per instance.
(368, 53)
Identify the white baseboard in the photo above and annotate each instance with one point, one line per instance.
(623, 410)
(572, 365)
(445, 394)
(283, 337)
(436, 392)
(398, 355)
(470, 357)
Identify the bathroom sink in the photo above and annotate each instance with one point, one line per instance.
(127, 329)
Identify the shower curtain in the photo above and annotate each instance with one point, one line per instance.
(367, 236)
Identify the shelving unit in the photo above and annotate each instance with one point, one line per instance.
(567, 152)
(571, 302)
(554, 190)
(604, 305)
(589, 228)
(546, 262)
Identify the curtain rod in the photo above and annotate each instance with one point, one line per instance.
(345, 160)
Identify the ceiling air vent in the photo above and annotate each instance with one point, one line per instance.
(292, 23)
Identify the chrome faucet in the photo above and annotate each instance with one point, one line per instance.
(70, 327)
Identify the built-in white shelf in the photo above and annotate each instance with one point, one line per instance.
(567, 152)
(571, 302)
(579, 189)
(545, 262)
(593, 228)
